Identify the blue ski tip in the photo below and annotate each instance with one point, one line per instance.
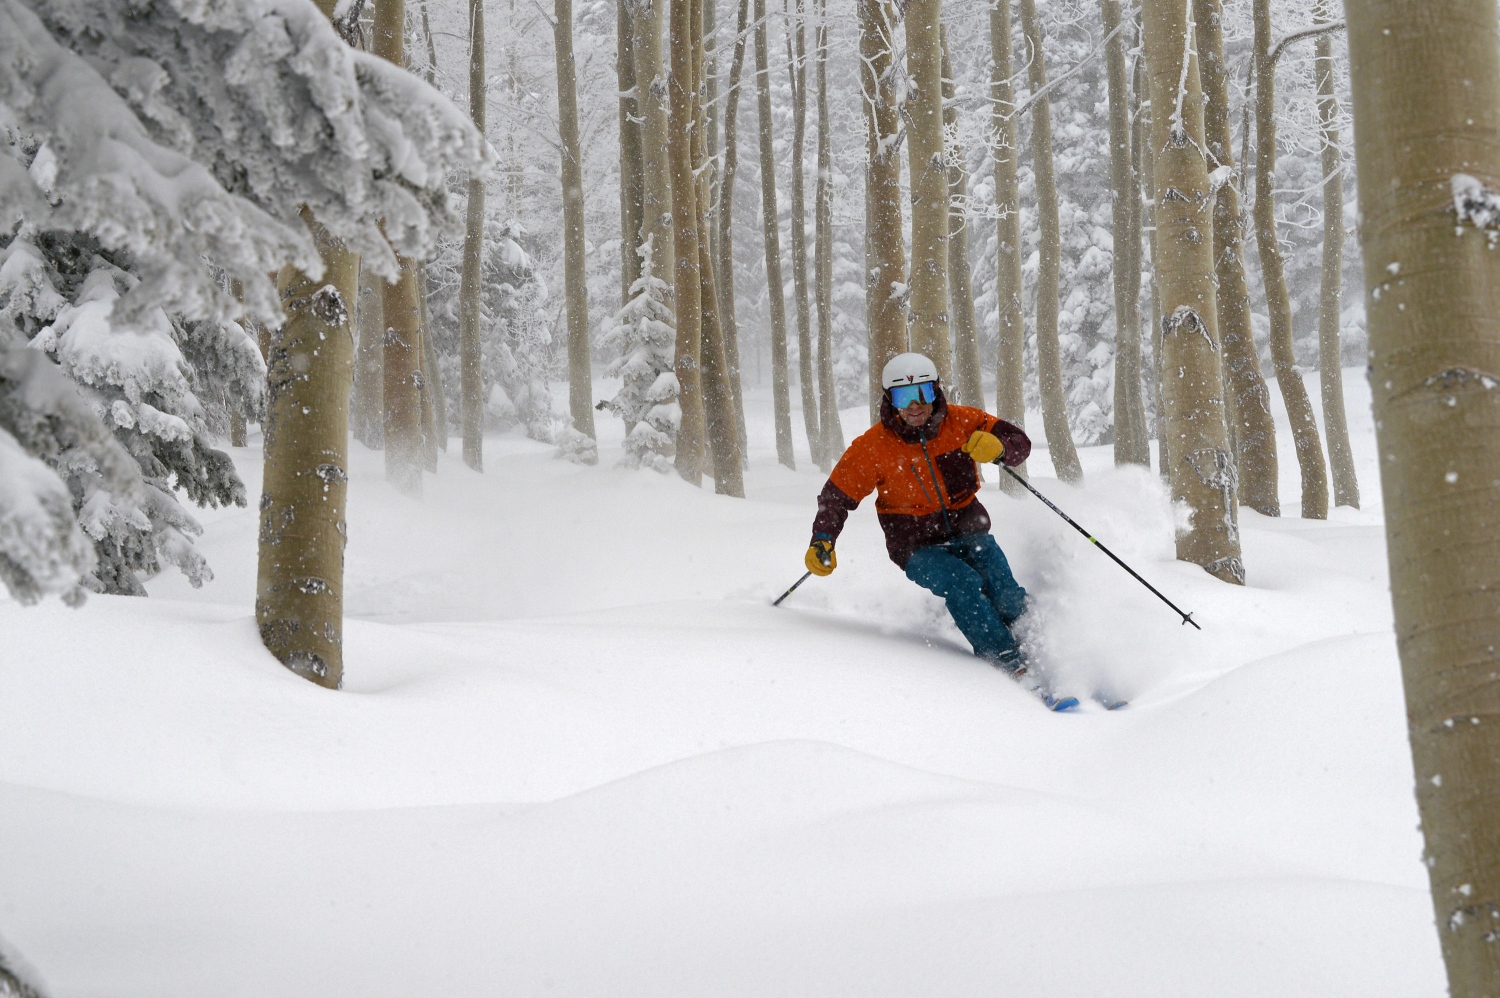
(1060, 704)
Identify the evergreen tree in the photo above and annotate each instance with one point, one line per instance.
(521, 361)
(643, 333)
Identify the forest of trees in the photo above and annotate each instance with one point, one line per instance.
(998, 189)
(1121, 218)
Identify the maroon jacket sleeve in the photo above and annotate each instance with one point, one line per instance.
(1017, 443)
(834, 508)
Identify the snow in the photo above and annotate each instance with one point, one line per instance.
(579, 753)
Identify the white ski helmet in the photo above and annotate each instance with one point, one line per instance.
(908, 369)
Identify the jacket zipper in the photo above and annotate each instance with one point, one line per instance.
(918, 475)
(942, 503)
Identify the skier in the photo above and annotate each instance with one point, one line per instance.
(920, 459)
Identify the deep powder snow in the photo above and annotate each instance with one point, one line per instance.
(578, 753)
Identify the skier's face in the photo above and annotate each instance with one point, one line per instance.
(916, 414)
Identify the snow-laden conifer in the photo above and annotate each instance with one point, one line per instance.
(521, 362)
(56, 456)
(137, 379)
(643, 332)
(153, 157)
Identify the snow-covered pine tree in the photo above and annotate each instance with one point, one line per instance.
(182, 143)
(164, 387)
(135, 375)
(521, 363)
(44, 426)
(644, 333)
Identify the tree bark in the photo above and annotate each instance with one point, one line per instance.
(400, 306)
(1252, 431)
(718, 400)
(688, 272)
(1148, 176)
(299, 593)
(928, 320)
(772, 238)
(470, 361)
(632, 181)
(725, 207)
(367, 412)
(796, 50)
(1010, 398)
(427, 383)
(1330, 371)
(1202, 469)
(1278, 302)
(967, 377)
(1425, 79)
(433, 375)
(1131, 443)
(651, 86)
(575, 276)
(885, 263)
(1048, 362)
(832, 443)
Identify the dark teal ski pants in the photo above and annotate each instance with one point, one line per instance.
(971, 573)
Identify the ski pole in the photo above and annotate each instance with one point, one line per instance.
(793, 589)
(1187, 618)
(823, 557)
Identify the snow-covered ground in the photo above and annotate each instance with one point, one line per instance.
(579, 753)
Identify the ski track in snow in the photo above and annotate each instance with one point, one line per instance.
(578, 753)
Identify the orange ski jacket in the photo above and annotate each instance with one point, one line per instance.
(926, 486)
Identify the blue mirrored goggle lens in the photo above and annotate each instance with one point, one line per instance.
(905, 395)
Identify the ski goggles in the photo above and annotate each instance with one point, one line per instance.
(924, 393)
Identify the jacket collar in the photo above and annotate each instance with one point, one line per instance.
(914, 434)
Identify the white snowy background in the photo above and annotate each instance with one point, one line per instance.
(579, 753)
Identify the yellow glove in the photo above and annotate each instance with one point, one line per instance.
(820, 558)
(986, 448)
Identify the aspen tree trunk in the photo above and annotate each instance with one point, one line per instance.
(1134, 261)
(885, 257)
(772, 238)
(299, 593)
(432, 375)
(966, 371)
(1048, 362)
(832, 443)
(401, 309)
(1137, 216)
(797, 73)
(724, 262)
(718, 401)
(1202, 469)
(1278, 302)
(1148, 175)
(631, 178)
(575, 277)
(1426, 85)
(1010, 399)
(427, 376)
(367, 411)
(651, 86)
(1252, 431)
(708, 89)
(430, 70)
(928, 319)
(238, 431)
(688, 271)
(1131, 443)
(1331, 375)
(470, 362)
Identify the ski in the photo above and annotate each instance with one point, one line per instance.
(1056, 703)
